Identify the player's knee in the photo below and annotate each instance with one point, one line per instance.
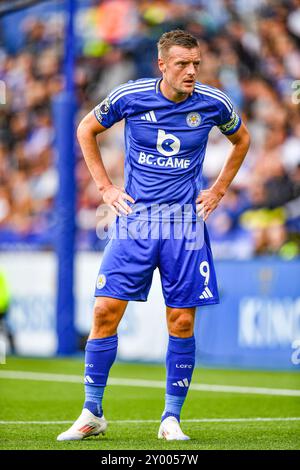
(104, 320)
(182, 325)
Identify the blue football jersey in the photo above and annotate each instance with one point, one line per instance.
(165, 142)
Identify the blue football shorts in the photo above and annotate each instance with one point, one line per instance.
(181, 252)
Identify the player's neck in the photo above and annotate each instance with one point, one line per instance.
(171, 94)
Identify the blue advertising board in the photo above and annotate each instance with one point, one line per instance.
(257, 323)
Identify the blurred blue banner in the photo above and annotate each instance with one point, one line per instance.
(257, 323)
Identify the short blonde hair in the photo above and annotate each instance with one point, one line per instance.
(176, 37)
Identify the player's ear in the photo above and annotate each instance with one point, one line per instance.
(161, 65)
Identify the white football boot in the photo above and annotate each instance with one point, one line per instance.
(86, 425)
(170, 430)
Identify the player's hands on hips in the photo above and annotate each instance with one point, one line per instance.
(206, 202)
(116, 198)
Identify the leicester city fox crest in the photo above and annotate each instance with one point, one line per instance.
(193, 119)
(101, 281)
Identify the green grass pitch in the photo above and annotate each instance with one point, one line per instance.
(47, 402)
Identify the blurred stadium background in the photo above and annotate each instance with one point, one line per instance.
(250, 49)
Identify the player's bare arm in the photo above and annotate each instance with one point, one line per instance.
(209, 199)
(112, 195)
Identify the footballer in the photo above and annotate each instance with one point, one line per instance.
(167, 123)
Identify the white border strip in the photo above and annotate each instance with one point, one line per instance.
(20, 375)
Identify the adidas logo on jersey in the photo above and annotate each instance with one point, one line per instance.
(149, 117)
(181, 383)
(206, 294)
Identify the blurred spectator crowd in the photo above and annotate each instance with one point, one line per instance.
(250, 49)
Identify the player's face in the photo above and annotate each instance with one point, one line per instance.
(180, 68)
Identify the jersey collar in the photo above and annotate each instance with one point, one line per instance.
(157, 86)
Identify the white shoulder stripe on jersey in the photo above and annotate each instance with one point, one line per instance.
(130, 85)
(133, 83)
(230, 108)
(215, 91)
(131, 91)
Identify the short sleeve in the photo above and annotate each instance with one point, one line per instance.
(114, 107)
(229, 120)
(108, 113)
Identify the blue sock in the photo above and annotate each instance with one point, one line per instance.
(93, 399)
(99, 357)
(180, 364)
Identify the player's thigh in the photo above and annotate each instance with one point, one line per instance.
(180, 321)
(107, 314)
